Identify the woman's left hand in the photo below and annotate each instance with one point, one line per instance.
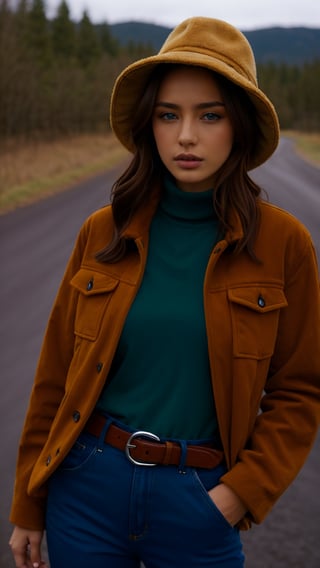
(228, 503)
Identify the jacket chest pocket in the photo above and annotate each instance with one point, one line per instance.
(95, 291)
(255, 312)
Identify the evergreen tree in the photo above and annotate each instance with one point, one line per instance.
(109, 44)
(22, 23)
(63, 33)
(89, 48)
(307, 97)
(38, 32)
(5, 72)
(22, 9)
(4, 11)
(5, 17)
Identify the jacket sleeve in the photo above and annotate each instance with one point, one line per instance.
(47, 393)
(287, 425)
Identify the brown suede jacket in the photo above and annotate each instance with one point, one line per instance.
(263, 326)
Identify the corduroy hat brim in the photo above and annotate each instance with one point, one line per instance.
(204, 42)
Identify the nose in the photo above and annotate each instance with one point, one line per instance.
(187, 134)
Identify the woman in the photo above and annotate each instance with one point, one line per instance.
(177, 392)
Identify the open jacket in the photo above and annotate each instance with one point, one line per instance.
(263, 327)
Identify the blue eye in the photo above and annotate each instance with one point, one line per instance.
(168, 116)
(211, 116)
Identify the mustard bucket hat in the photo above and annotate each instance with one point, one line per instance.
(205, 42)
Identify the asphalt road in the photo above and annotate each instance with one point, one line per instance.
(35, 242)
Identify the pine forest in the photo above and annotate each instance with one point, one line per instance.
(56, 75)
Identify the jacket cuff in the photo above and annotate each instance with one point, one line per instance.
(257, 500)
(29, 513)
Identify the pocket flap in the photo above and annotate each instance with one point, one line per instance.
(89, 282)
(259, 298)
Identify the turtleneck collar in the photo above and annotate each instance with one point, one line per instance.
(186, 205)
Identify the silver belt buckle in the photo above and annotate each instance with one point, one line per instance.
(138, 434)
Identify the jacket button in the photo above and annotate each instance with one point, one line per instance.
(90, 285)
(48, 460)
(99, 367)
(261, 302)
(76, 416)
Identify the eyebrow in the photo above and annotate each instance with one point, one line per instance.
(203, 105)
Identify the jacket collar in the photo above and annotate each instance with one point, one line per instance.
(141, 220)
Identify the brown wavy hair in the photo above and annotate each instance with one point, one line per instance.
(234, 189)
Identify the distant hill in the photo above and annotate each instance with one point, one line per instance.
(289, 45)
(281, 45)
(140, 32)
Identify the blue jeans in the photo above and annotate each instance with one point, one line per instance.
(105, 512)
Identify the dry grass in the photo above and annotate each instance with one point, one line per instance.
(30, 171)
(307, 145)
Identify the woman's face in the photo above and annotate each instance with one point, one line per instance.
(192, 130)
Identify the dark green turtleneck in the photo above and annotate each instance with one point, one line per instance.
(160, 377)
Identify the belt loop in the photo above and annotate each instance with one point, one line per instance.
(183, 457)
(168, 453)
(103, 433)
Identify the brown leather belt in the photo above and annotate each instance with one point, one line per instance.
(144, 448)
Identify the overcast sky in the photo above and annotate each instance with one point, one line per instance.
(244, 14)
